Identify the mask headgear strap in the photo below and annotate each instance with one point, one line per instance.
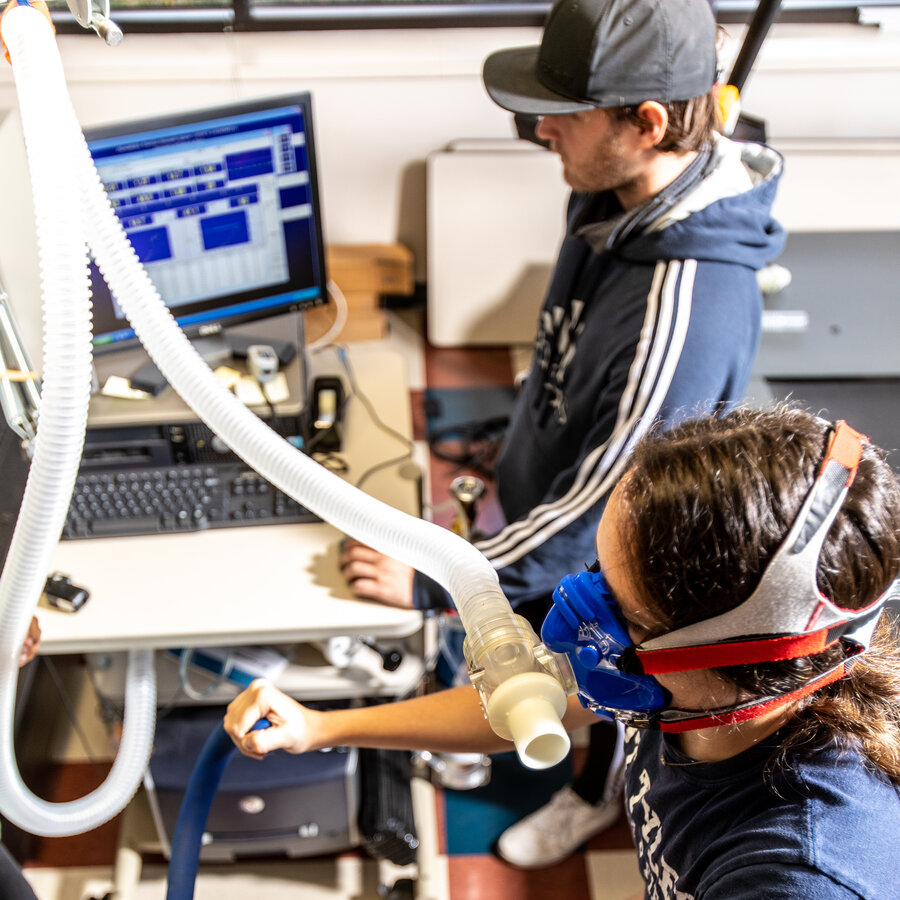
(674, 721)
(787, 616)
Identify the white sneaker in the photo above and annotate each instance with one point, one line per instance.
(556, 830)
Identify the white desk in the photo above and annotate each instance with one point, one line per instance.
(248, 585)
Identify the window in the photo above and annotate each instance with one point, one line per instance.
(272, 15)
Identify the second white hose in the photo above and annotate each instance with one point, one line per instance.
(500, 645)
(48, 120)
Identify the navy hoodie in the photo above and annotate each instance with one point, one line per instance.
(651, 315)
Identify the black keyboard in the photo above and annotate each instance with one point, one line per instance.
(174, 500)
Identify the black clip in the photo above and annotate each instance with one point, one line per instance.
(62, 594)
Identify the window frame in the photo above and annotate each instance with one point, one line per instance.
(244, 15)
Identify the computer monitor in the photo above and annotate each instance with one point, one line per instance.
(222, 207)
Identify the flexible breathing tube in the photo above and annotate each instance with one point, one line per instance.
(522, 686)
(500, 645)
(57, 447)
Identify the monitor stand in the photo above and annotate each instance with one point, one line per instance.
(216, 350)
(110, 411)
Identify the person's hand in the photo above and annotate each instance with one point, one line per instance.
(32, 642)
(374, 576)
(292, 727)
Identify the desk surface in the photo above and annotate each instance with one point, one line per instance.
(249, 585)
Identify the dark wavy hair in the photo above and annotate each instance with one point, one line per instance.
(691, 122)
(706, 505)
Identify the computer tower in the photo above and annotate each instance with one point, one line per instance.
(298, 806)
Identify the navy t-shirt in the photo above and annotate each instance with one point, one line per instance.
(825, 828)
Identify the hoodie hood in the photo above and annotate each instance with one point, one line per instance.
(730, 211)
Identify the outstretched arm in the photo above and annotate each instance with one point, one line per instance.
(450, 721)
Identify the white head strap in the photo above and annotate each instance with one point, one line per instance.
(787, 616)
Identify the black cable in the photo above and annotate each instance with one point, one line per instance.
(376, 419)
(274, 419)
(477, 443)
(69, 708)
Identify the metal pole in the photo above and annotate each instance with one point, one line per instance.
(765, 14)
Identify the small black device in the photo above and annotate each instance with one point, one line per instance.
(148, 379)
(62, 594)
(326, 413)
(390, 658)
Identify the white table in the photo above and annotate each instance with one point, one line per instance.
(246, 585)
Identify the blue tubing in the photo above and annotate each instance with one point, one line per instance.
(187, 839)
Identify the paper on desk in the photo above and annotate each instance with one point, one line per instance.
(229, 377)
(116, 386)
(248, 391)
(276, 390)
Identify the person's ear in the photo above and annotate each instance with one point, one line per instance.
(656, 119)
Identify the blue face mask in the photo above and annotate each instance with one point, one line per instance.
(586, 624)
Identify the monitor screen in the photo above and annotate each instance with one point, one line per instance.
(221, 206)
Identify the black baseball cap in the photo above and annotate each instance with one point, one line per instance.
(608, 53)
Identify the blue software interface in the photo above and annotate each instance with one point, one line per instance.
(221, 209)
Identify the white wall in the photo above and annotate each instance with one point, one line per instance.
(384, 100)
(827, 81)
(825, 92)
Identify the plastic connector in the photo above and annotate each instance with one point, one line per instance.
(523, 688)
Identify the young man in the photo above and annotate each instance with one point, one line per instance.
(653, 311)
